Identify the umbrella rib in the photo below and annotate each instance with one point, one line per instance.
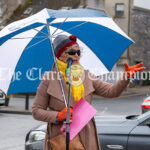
(28, 38)
(38, 30)
(59, 27)
(36, 44)
(71, 28)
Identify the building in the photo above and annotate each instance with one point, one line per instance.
(134, 21)
(141, 35)
(121, 12)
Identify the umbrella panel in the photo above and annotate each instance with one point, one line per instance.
(35, 60)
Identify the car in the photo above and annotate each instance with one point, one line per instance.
(127, 133)
(35, 138)
(2, 98)
(146, 105)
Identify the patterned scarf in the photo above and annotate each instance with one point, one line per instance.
(77, 88)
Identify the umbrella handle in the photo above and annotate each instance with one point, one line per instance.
(54, 57)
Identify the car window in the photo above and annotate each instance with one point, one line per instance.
(146, 122)
(1, 94)
(143, 115)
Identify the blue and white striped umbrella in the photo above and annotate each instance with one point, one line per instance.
(26, 53)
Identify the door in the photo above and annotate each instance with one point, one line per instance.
(139, 138)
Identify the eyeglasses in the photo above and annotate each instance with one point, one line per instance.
(73, 52)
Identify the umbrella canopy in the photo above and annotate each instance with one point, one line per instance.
(26, 49)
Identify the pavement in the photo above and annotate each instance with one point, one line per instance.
(17, 102)
(134, 91)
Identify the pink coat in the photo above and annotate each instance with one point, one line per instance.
(49, 101)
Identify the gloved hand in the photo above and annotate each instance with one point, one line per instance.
(130, 70)
(63, 114)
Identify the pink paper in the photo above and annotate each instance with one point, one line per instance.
(83, 112)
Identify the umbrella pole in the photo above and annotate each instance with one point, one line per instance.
(68, 114)
(68, 111)
(54, 57)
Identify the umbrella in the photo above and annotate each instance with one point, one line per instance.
(25, 47)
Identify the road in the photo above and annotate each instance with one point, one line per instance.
(13, 127)
(125, 105)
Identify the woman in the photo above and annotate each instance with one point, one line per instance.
(49, 94)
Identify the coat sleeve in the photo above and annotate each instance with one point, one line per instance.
(39, 109)
(109, 90)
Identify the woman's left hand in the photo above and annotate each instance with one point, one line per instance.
(130, 70)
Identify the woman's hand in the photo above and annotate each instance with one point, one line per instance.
(63, 114)
(130, 70)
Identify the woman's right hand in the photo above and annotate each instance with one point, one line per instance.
(62, 115)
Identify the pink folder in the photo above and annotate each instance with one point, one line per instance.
(83, 112)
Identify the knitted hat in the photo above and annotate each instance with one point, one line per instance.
(61, 42)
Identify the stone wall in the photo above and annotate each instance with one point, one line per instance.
(140, 51)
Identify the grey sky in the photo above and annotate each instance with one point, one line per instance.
(142, 3)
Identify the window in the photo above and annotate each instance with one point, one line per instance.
(28, 11)
(119, 10)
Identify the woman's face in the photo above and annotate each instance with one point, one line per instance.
(71, 54)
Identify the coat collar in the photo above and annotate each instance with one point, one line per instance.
(54, 88)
